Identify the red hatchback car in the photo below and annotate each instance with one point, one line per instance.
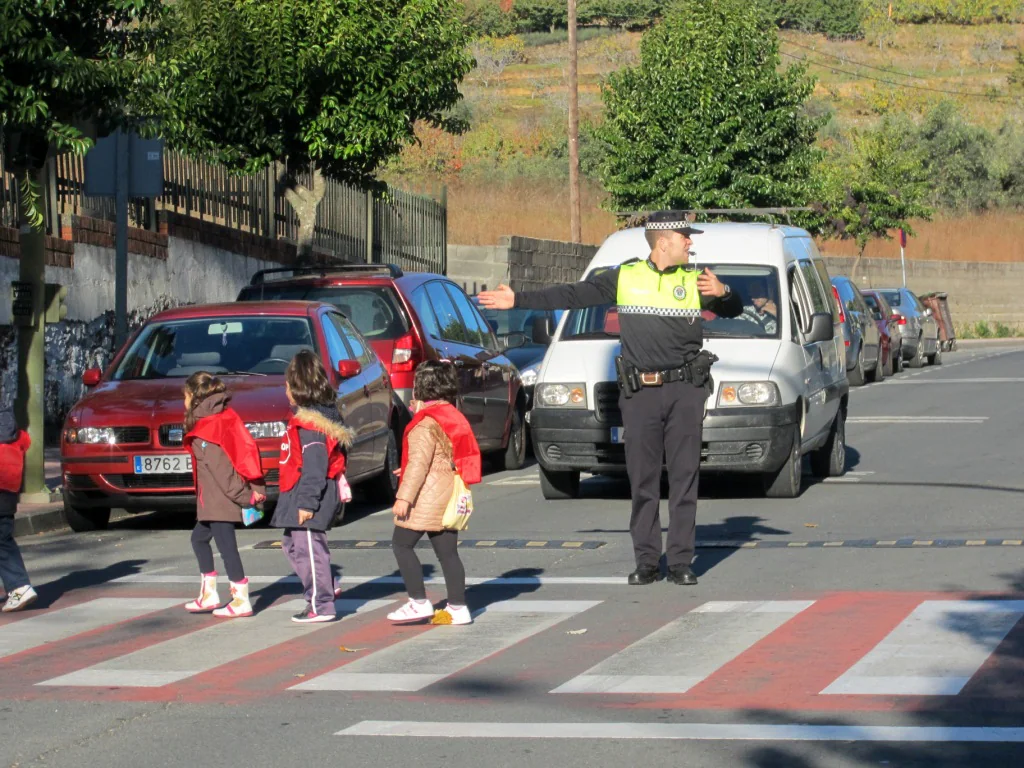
(122, 443)
(416, 317)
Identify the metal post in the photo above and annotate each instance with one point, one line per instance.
(575, 226)
(369, 227)
(30, 400)
(903, 263)
(121, 242)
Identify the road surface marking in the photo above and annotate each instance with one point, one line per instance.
(687, 731)
(438, 652)
(686, 651)
(994, 380)
(63, 623)
(934, 651)
(221, 643)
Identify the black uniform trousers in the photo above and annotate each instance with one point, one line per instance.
(663, 423)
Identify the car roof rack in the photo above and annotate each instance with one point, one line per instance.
(325, 270)
(638, 218)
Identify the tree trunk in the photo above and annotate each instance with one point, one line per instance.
(304, 202)
(856, 263)
(30, 398)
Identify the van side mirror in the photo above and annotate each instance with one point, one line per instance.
(822, 328)
(542, 330)
(514, 340)
(92, 377)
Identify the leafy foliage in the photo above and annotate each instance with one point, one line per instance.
(337, 85)
(67, 67)
(708, 119)
(832, 18)
(956, 160)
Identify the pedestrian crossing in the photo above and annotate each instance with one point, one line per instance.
(835, 651)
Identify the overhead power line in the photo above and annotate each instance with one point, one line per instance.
(808, 60)
(846, 60)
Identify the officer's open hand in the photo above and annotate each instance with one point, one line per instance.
(501, 297)
(709, 285)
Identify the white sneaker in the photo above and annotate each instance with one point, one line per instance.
(414, 610)
(460, 615)
(19, 598)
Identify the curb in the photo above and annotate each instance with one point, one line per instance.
(44, 519)
(989, 342)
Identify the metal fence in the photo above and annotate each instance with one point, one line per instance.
(402, 228)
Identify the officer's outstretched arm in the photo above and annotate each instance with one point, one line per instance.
(597, 289)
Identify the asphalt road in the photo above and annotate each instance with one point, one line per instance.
(876, 620)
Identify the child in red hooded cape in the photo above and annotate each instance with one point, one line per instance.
(14, 443)
(228, 475)
(437, 443)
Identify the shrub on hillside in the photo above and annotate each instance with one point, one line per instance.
(832, 18)
(957, 156)
(486, 17)
(627, 14)
(953, 11)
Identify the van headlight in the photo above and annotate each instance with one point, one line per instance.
(748, 393)
(264, 429)
(528, 375)
(562, 395)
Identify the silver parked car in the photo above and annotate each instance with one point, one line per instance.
(918, 327)
(860, 333)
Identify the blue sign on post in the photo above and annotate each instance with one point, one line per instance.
(145, 167)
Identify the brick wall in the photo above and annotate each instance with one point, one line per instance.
(59, 253)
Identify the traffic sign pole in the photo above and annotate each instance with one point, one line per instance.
(121, 242)
(903, 259)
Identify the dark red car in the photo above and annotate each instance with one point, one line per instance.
(888, 328)
(409, 318)
(122, 443)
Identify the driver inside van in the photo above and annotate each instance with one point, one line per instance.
(760, 308)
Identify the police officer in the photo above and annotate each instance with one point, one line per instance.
(664, 378)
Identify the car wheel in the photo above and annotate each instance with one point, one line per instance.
(82, 520)
(830, 459)
(515, 452)
(898, 360)
(385, 485)
(786, 483)
(890, 364)
(878, 373)
(936, 359)
(556, 486)
(917, 361)
(856, 375)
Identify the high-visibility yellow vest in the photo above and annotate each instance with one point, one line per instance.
(644, 290)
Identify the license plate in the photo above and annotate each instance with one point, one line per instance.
(618, 434)
(173, 464)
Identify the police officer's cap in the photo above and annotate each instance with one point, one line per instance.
(670, 220)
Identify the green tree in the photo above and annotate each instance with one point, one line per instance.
(708, 119)
(69, 69)
(833, 18)
(873, 186)
(957, 156)
(327, 88)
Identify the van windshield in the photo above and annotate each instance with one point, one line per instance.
(756, 285)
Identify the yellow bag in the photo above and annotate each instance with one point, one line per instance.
(460, 507)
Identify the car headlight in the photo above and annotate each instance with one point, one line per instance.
(748, 393)
(528, 375)
(265, 429)
(91, 436)
(562, 395)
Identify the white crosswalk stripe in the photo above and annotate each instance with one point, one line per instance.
(430, 656)
(224, 642)
(63, 623)
(688, 650)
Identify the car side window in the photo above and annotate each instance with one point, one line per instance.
(336, 348)
(452, 328)
(355, 342)
(421, 303)
(817, 294)
(479, 331)
(826, 282)
(799, 301)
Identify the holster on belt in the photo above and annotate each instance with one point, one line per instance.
(700, 370)
(629, 380)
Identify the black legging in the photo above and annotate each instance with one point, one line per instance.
(446, 547)
(224, 535)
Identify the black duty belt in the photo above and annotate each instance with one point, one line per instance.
(657, 378)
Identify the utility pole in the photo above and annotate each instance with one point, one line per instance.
(574, 132)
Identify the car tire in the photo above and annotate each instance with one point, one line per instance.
(84, 520)
(917, 361)
(830, 459)
(856, 375)
(898, 360)
(557, 486)
(878, 374)
(384, 486)
(787, 482)
(936, 359)
(515, 451)
(890, 364)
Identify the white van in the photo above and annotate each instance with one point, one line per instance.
(780, 388)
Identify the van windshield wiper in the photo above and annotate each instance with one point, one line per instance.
(244, 373)
(594, 335)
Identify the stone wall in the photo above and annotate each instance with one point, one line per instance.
(524, 263)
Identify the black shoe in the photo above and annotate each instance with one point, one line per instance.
(645, 574)
(682, 574)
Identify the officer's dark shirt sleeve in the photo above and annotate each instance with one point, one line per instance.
(597, 289)
(725, 306)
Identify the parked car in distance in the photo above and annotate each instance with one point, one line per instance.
(121, 446)
(918, 329)
(409, 318)
(888, 329)
(863, 342)
(537, 326)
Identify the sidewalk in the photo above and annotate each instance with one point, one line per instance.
(40, 518)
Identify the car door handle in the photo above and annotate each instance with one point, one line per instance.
(459, 363)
